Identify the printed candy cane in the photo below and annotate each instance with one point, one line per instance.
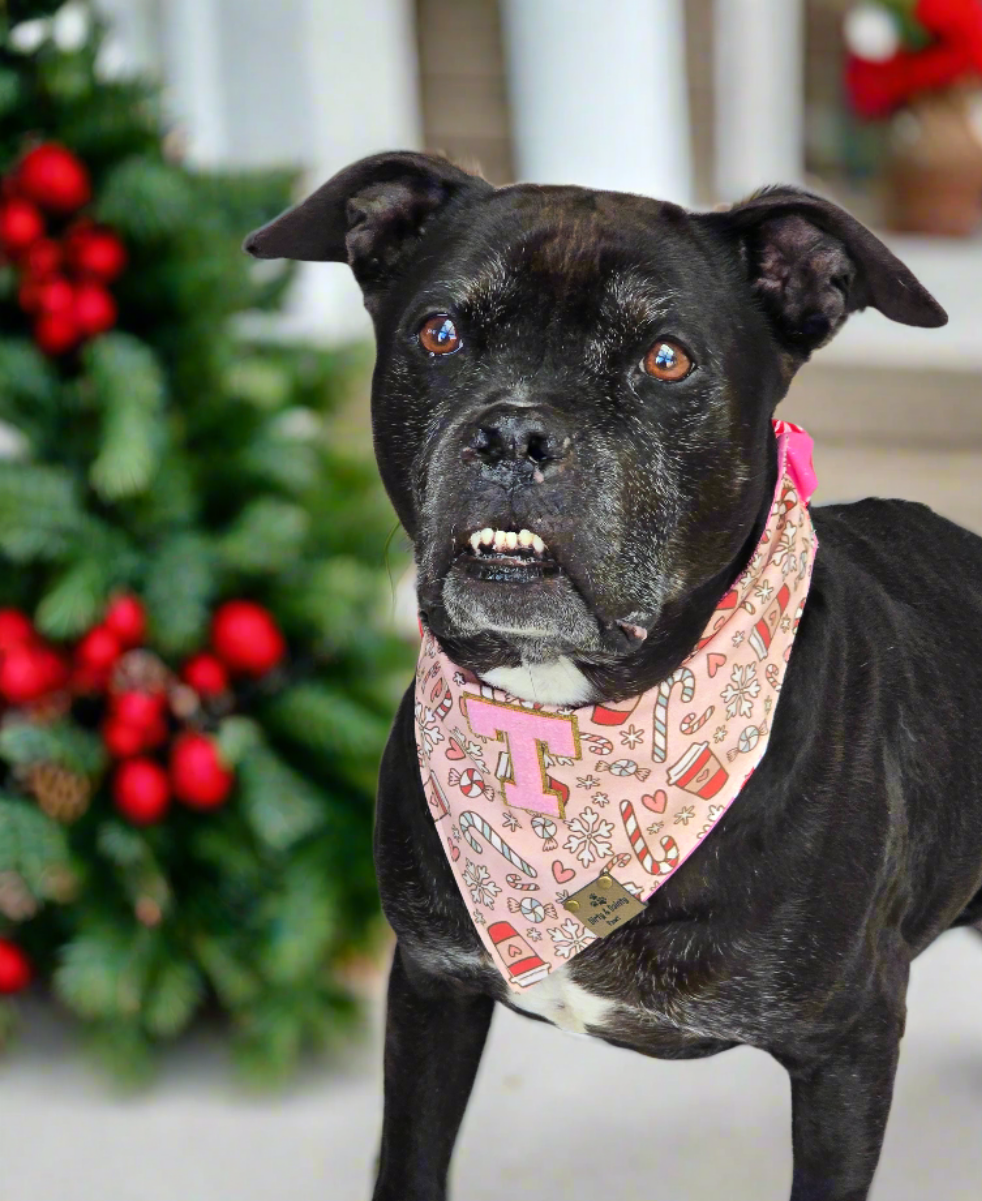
(690, 723)
(469, 818)
(659, 738)
(653, 866)
(514, 880)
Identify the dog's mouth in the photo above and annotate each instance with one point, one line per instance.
(507, 556)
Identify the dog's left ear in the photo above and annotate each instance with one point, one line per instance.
(811, 264)
(371, 215)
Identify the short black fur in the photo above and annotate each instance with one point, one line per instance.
(868, 803)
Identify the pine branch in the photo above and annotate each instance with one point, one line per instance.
(32, 845)
(279, 804)
(173, 996)
(64, 742)
(145, 199)
(265, 538)
(129, 387)
(326, 720)
(75, 601)
(104, 971)
(180, 585)
(40, 512)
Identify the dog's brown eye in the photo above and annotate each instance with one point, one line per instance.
(438, 335)
(667, 361)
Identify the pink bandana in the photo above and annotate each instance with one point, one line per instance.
(536, 802)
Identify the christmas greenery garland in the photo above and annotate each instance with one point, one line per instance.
(196, 677)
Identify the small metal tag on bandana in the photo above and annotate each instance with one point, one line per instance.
(603, 905)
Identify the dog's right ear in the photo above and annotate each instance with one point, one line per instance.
(370, 215)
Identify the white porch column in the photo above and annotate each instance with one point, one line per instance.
(598, 94)
(759, 76)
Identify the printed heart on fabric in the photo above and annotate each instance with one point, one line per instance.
(454, 850)
(562, 874)
(514, 952)
(714, 662)
(657, 802)
(454, 750)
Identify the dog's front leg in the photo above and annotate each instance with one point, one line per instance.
(433, 1045)
(839, 1115)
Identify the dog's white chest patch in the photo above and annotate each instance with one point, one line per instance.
(556, 682)
(565, 1004)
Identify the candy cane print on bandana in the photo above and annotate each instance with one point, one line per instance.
(535, 802)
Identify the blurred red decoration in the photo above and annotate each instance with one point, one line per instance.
(206, 674)
(54, 178)
(15, 628)
(140, 709)
(55, 295)
(122, 740)
(96, 253)
(25, 674)
(56, 333)
(876, 88)
(15, 968)
(98, 650)
(246, 638)
(43, 258)
(127, 619)
(141, 791)
(94, 309)
(20, 226)
(197, 774)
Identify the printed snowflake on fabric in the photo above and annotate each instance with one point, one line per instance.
(483, 889)
(738, 637)
(600, 798)
(459, 678)
(472, 749)
(587, 782)
(532, 934)
(685, 815)
(570, 938)
(589, 837)
(632, 736)
(785, 624)
(655, 827)
(510, 820)
(740, 693)
(429, 730)
(716, 811)
(719, 734)
(764, 591)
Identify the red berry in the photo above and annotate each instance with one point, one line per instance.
(127, 619)
(206, 674)
(54, 178)
(54, 669)
(197, 774)
(55, 295)
(24, 674)
(95, 310)
(98, 650)
(138, 709)
(122, 739)
(27, 294)
(56, 333)
(86, 681)
(20, 226)
(43, 258)
(141, 791)
(15, 968)
(246, 637)
(96, 253)
(15, 629)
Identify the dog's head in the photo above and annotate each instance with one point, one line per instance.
(574, 389)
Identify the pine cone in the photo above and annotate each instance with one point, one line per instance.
(140, 671)
(62, 794)
(16, 900)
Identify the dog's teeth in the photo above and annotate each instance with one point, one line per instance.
(487, 535)
(537, 544)
(511, 540)
(476, 539)
(499, 539)
(525, 538)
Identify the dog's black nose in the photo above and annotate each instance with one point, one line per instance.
(512, 434)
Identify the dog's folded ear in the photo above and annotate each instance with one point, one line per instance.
(812, 264)
(369, 215)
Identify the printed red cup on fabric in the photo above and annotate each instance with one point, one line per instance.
(698, 772)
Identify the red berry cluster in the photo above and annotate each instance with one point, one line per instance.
(63, 280)
(139, 722)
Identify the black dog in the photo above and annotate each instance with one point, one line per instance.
(512, 327)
